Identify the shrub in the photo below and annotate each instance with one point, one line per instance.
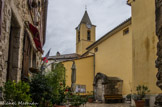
(16, 92)
(77, 100)
(57, 82)
(40, 89)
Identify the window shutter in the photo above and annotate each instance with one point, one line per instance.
(1, 15)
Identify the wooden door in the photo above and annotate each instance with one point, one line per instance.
(26, 55)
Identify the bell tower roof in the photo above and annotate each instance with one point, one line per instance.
(86, 18)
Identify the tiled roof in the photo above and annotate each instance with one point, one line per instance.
(64, 57)
(86, 19)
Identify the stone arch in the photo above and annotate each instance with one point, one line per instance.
(104, 85)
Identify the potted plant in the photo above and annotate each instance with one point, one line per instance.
(77, 100)
(142, 90)
(90, 97)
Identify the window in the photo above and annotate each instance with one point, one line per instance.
(34, 60)
(125, 31)
(80, 89)
(96, 49)
(78, 36)
(88, 35)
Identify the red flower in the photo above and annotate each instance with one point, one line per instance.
(66, 90)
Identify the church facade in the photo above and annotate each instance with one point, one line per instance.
(126, 53)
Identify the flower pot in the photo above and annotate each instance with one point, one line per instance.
(90, 100)
(59, 106)
(140, 103)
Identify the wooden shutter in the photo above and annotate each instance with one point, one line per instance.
(26, 55)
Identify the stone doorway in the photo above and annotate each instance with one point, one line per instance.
(13, 50)
(99, 90)
(107, 87)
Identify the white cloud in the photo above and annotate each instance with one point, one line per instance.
(65, 15)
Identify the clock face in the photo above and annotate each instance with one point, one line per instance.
(89, 26)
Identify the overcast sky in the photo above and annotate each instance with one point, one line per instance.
(65, 15)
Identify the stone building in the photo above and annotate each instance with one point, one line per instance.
(22, 35)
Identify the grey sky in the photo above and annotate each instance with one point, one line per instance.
(65, 15)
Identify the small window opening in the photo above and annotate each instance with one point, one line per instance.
(88, 35)
(125, 31)
(78, 36)
(96, 49)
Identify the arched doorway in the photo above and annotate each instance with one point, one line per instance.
(99, 90)
(107, 86)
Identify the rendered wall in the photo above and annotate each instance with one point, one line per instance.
(84, 72)
(84, 43)
(114, 58)
(144, 44)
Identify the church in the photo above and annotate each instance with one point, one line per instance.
(124, 56)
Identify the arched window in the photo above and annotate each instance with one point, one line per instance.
(88, 35)
(78, 36)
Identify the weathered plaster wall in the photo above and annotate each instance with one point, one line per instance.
(144, 44)
(84, 72)
(114, 58)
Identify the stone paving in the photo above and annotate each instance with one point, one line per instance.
(106, 105)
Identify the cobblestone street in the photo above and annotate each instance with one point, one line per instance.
(106, 105)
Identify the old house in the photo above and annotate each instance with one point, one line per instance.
(22, 36)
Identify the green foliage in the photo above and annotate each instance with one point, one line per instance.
(40, 89)
(60, 97)
(142, 90)
(128, 96)
(77, 100)
(56, 79)
(49, 87)
(16, 92)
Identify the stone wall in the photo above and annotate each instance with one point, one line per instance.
(15, 13)
(159, 49)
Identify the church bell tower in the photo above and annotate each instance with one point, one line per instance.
(85, 34)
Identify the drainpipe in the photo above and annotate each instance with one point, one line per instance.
(94, 70)
(94, 65)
